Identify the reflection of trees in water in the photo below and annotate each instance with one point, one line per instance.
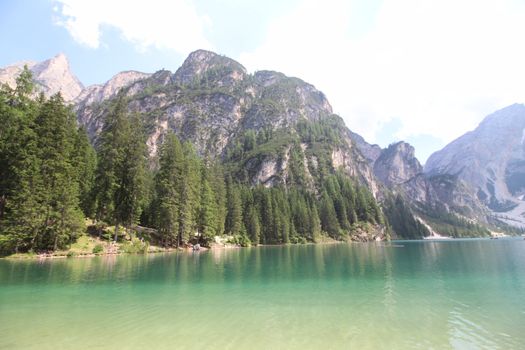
(389, 295)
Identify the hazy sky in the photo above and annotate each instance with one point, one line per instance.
(417, 70)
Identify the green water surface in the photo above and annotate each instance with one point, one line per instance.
(466, 294)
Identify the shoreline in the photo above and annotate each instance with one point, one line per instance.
(215, 246)
(155, 250)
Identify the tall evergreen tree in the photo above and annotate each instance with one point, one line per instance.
(189, 190)
(56, 133)
(328, 216)
(85, 162)
(314, 222)
(208, 218)
(167, 188)
(219, 189)
(131, 175)
(110, 155)
(120, 179)
(266, 210)
(253, 225)
(234, 205)
(20, 186)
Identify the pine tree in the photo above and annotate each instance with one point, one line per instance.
(299, 214)
(362, 205)
(234, 205)
(20, 185)
(121, 170)
(314, 222)
(281, 216)
(85, 162)
(131, 175)
(56, 134)
(266, 210)
(219, 189)
(253, 225)
(189, 190)
(110, 154)
(167, 189)
(208, 219)
(328, 216)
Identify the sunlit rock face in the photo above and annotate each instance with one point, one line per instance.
(50, 76)
(212, 101)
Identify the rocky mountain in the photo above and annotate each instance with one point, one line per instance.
(270, 129)
(442, 202)
(98, 93)
(369, 151)
(212, 101)
(491, 159)
(397, 164)
(50, 76)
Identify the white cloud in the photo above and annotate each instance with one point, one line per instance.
(159, 24)
(437, 66)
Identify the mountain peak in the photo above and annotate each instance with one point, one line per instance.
(50, 76)
(60, 58)
(201, 56)
(490, 158)
(512, 116)
(98, 93)
(403, 147)
(58, 64)
(222, 70)
(397, 164)
(54, 75)
(60, 61)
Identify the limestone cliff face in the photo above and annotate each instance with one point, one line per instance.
(369, 151)
(489, 157)
(397, 164)
(98, 93)
(50, 76)
(399, 171)
(91, 99)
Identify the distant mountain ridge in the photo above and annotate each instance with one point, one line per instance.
(212, 101)
(491, 159)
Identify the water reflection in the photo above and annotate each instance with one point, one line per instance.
(404, 295)
(329, 262)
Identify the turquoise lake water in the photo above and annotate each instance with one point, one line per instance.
(466, 294)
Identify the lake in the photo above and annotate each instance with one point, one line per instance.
(461, 294)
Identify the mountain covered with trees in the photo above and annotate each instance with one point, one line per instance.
(209, 150)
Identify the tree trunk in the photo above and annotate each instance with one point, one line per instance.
(56, 242)
(33, 240)
(116, 232)
(3, 201)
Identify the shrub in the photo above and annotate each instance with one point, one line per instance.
(135, 247)
(241, 240)
(98, 249)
